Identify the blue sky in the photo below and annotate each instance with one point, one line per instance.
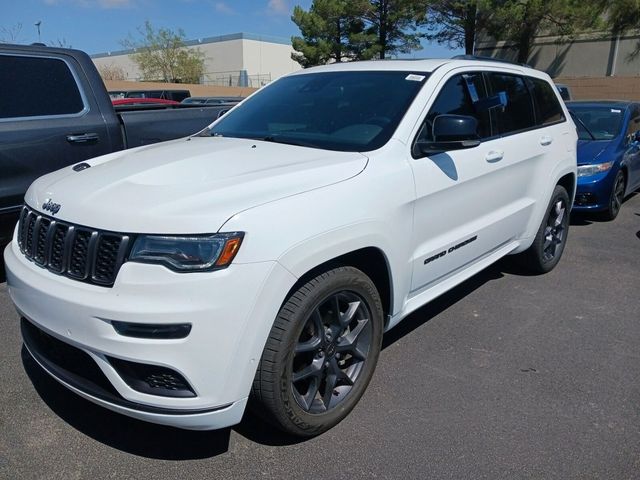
(99, 25)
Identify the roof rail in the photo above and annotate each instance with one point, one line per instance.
(488, 59)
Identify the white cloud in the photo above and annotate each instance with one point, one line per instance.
(280, 7)
(222, 7)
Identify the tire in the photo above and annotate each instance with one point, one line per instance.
(616, 198)
(545, 252)
(317, 364)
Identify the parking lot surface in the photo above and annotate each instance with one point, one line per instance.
(507, 376)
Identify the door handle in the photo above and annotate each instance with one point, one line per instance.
(494, 156)
(83, 138)
(546, 140)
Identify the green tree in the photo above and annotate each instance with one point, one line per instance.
(520, 21)
(623, 15)
(396, 23)
(332, 31)
(456, 23)
(162, 55)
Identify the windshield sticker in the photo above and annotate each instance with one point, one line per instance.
(615, 110)
(415, 78)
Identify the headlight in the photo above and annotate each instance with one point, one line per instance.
(588, 170)
(192, 253)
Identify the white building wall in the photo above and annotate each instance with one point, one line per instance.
(225, 58)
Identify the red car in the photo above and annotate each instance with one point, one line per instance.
(143, 101)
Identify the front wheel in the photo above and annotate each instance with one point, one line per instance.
(545, 252)
(616, 198)
(321, 352)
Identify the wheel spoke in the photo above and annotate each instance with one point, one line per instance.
(314, 369)
(310, 345)
(347, 317)
(330, 385)
(307, 399)
(559, 214)
(349, 341)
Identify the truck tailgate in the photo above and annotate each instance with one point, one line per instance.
(151, 126)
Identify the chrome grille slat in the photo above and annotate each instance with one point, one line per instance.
(74, 251)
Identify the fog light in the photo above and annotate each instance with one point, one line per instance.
(151, 330)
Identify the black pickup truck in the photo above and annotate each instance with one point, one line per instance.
(55, 111)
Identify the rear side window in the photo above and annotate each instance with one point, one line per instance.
(518, 112)
(32, 86)
(548, 109)
(459, 96)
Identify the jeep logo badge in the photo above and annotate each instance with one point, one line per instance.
(52, 207)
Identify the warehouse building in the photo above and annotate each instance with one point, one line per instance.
(239, 59)
(593, 55)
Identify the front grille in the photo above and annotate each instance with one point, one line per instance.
(85, 254)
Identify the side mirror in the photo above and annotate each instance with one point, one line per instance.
(450, 132)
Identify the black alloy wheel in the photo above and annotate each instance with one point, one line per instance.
(321, 352)
(331, 351)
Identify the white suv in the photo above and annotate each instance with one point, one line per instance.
(262, 259)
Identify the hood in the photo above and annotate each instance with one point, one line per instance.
(590, 151)
(189, 185)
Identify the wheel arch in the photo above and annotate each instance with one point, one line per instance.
(371, 260)
(568, 181)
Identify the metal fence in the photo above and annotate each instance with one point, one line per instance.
(236, 78)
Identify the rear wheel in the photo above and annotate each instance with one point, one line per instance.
(616, 198)
(321, 352)
(546, 250)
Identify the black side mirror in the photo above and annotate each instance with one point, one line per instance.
(450, 132)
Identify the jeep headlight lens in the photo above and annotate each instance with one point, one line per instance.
(588, 170)
(188, 253)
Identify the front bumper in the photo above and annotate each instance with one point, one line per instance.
(594, 192)
(231, 312)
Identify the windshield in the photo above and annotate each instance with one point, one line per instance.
(346, 111)
(604, 123)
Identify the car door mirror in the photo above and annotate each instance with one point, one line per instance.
(450, 132)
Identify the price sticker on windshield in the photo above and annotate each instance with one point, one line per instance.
(414, 78)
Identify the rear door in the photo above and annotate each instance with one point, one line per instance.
(48, 119)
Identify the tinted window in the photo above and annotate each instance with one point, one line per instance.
(459, 96)
(597, 122)
(32, 86)
(634, 124)
(518, 113)
(548, 109)
(346, 111)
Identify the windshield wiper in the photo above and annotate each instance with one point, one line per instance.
(575, 117)
(288, 141)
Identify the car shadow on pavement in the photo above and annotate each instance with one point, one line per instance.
(436, 307)
(121, 432)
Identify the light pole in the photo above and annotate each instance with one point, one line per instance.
(37, 24)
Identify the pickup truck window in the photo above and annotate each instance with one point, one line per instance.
(37, 87)
(346, 111)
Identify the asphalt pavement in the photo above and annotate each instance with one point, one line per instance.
(507, 376)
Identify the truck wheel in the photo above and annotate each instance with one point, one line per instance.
(321, 353)
(617, 196)
(545, 252)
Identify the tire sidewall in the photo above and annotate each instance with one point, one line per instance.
(342, 279)
(559, 193)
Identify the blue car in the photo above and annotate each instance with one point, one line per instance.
(608, 154)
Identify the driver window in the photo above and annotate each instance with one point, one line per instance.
(459, 96)
(634, 125)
